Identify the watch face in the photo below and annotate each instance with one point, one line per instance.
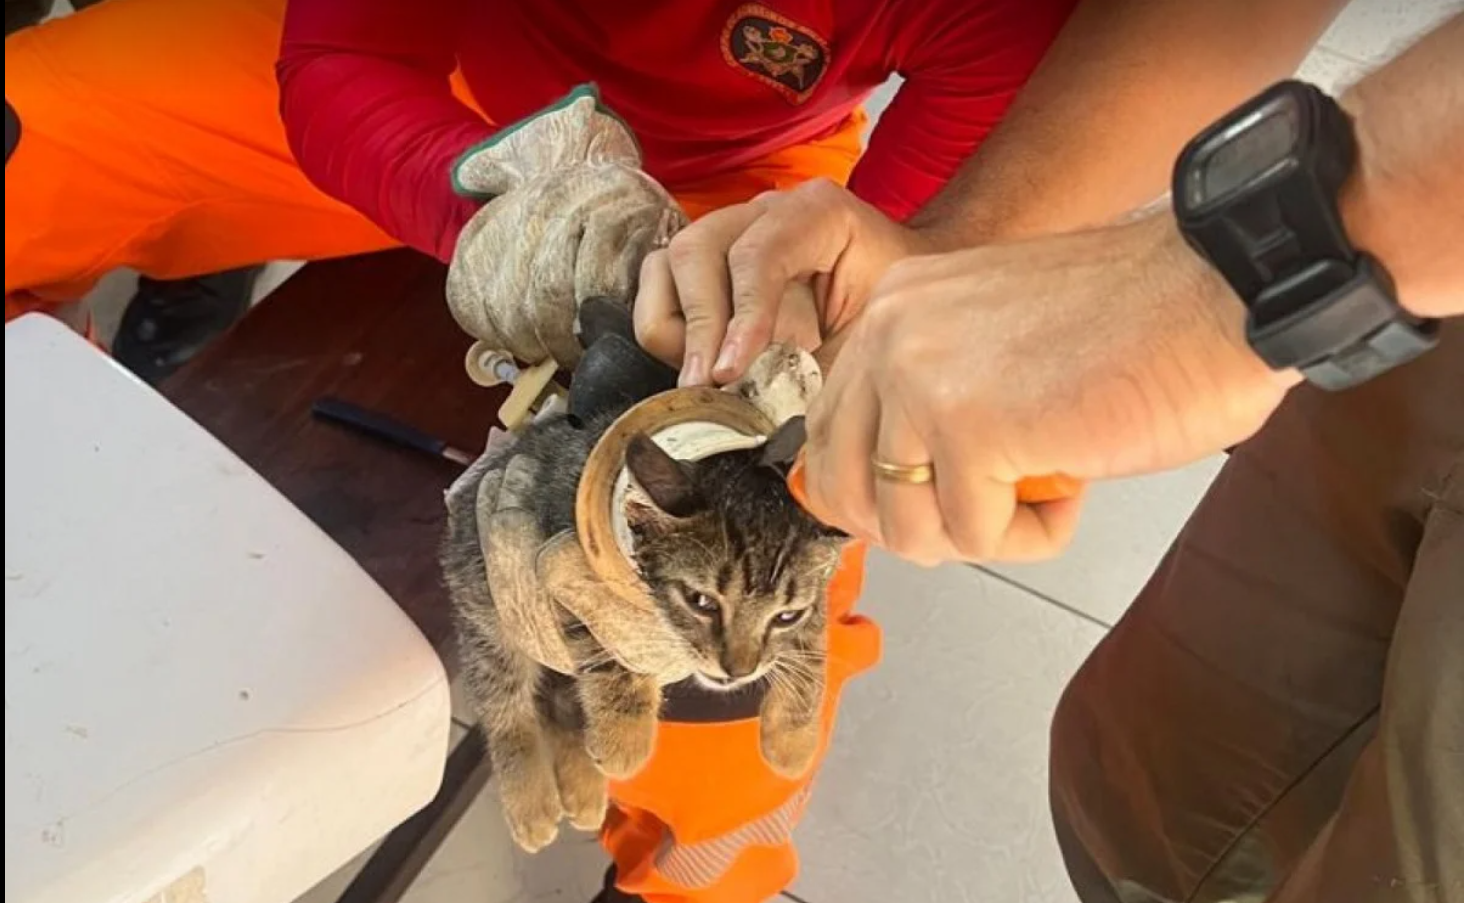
(1249, 149)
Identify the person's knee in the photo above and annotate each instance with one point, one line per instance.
(1071, 747)
(1076, 800)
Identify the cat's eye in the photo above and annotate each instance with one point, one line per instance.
(702, 604)
(790, 617)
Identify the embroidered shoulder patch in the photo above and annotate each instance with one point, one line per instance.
(775, 50)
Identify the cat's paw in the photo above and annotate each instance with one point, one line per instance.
(790, 751)
(586, 800)
(532, 808)
(621, 747)
(582, 788)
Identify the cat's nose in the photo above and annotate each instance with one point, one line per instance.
(737, 666)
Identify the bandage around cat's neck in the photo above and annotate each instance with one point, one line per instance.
(595, 578)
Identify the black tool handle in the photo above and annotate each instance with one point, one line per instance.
(379, 425)
(615, 372)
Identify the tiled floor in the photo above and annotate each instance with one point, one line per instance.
(934, 790)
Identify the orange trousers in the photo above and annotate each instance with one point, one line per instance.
(150, 139)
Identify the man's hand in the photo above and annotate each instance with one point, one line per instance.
(568, 216)
(735, 280)
(1096, 354)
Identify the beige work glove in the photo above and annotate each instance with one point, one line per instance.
(569, 215)
(533, 580)
(491, 503)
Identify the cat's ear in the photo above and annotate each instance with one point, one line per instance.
(825, 552)
(666, 481)
(783, 446)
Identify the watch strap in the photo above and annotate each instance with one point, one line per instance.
(1358, 333)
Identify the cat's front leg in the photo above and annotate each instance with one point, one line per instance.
(524, 766)
(501, 683)
(582, 787)
(789, 724)
(620, 718)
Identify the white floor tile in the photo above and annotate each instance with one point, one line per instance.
(1126, 527)
(330, 890)
(935, 788)
(273, 276)
(1331, 71)
(462, 708)
(478, 862)
(1373, 31)
(108, 300)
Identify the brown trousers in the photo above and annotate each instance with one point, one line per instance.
(1280, 715)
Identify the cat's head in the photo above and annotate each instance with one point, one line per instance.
(738, 568)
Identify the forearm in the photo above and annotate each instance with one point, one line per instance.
(1095, 132)
(370, 116)
(391, 161)
(1405, 203)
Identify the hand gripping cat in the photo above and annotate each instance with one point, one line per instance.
(565, 674)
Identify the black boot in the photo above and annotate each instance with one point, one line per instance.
(25, 13)
(610, 894)
(167, 323)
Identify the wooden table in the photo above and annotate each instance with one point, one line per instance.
(373, 330)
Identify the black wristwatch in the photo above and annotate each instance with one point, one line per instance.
(1256, 195)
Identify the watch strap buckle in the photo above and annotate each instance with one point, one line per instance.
(1357, 331)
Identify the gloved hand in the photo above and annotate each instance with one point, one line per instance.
(532, 578)
(569, 215)
(489, 515)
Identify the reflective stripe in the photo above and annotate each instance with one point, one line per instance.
(701, 864)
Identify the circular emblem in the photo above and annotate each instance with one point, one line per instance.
(787, 57)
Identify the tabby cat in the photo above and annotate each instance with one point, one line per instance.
(736, 568)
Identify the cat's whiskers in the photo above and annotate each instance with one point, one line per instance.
(816, 657)
(804, 657)
(803, 692)
(812, 672)
(795, 678)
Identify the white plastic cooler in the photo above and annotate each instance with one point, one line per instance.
(206, 700)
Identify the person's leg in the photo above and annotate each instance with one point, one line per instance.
(1209, 739)
(1399, 832)
(150, 138)
(168, 321)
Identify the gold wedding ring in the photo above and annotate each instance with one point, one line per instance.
(903, 473)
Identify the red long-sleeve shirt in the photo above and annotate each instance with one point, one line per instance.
(706, 86)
